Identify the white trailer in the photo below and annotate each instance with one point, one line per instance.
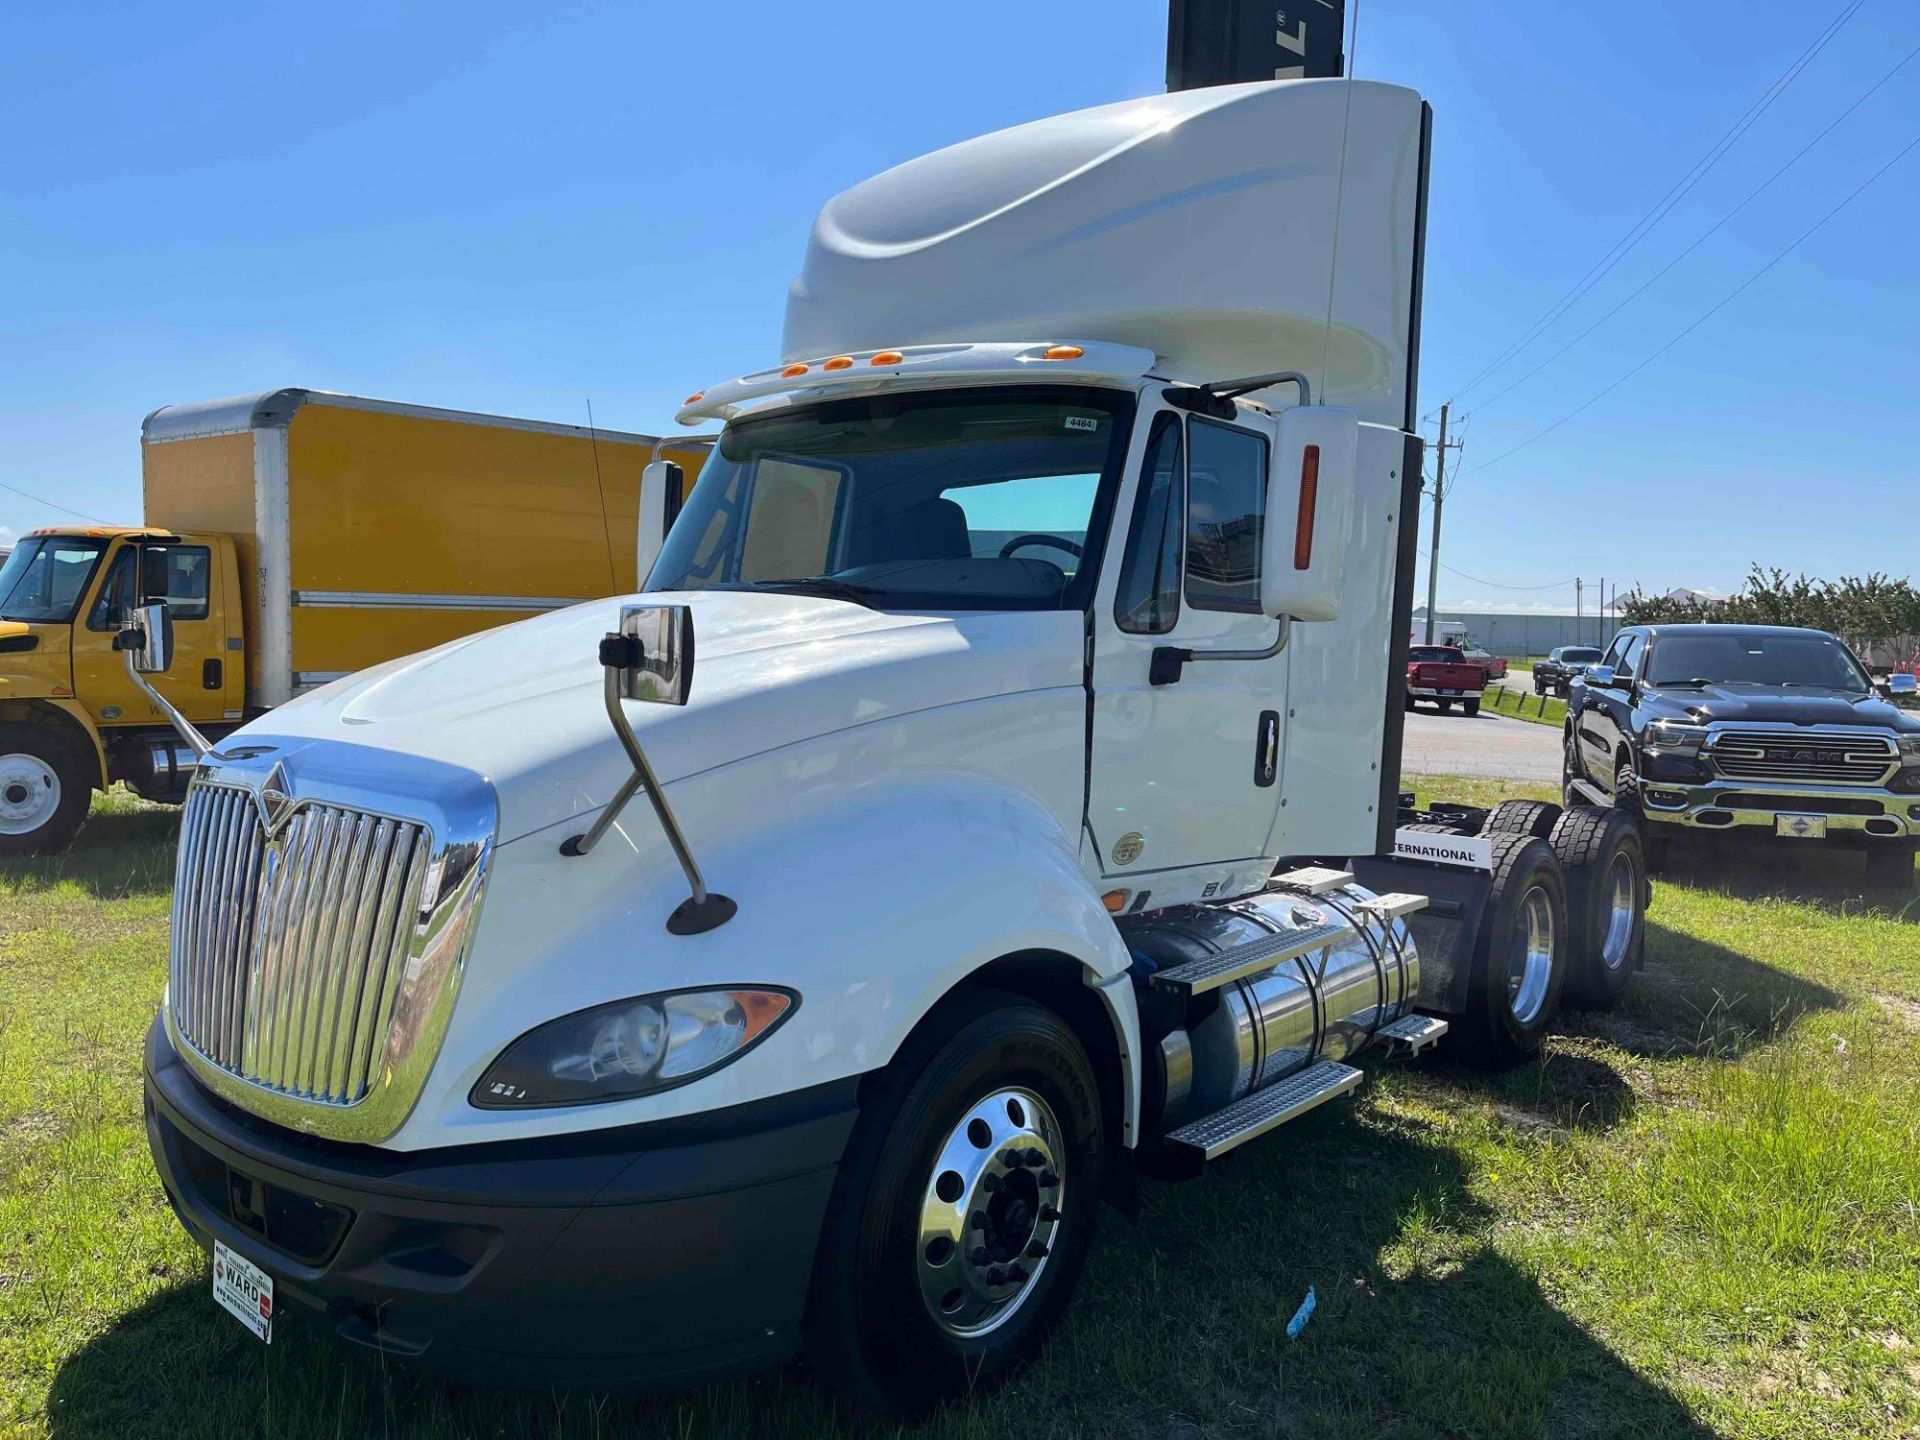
(1025, 821)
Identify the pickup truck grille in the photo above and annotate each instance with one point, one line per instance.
(1818, 757)
(319, 940)
(287, 957)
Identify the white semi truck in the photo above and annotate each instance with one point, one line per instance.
(1011, 703)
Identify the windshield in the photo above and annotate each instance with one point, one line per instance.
(976, 499)
(45, 576)
(1579, 656)
(1816, 662)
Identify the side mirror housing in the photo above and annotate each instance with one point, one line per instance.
(147, 636)
(1903, 684)
(1309, 512)
(660, 486)
(653, 653)
(1601, 677)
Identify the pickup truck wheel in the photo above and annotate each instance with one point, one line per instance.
(1523, 817)
(1604, 867)
(1626, 797)
(1445, 707)
(44, 791)
(1472, 707)
(962, 1215)
(1890, 867)
(1519, 961)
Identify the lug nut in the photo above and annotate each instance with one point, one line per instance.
(1037, 1251)
(1036, 1157)
(1048, 1179)
(992, 1183)
(996, 1276)
(1047, 1212)
(979, 1220)
(1017, 1273)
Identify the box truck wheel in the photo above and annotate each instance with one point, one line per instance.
(1520, 957)
(1604, 866)
(961, 1217)
(44, 791)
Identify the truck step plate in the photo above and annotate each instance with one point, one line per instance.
(1214, 1135)
(1311, 880)
(1393, 907)
(1210, 972)
(1413, 1033)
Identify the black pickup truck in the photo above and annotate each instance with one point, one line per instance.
(1750, 729)
(1553, 675)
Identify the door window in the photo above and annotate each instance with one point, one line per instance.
(1148, 600)
(1226, 505)
(177, 574)
(1629, 664)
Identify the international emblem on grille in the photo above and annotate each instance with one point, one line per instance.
(273, 802)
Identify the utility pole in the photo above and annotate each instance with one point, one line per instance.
(1579, 611)
(1439, 498)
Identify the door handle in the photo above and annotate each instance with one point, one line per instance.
(212, 675)
(1266, 749)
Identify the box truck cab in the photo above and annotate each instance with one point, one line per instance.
(317, 534)
(972, 813)
(71, 718)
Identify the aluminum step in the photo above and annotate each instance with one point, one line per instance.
(1210, 972)
(1311, 880)
(1212, 1136)
(1391, 907)
(1413, 1033)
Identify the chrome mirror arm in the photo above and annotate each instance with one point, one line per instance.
(182, 726)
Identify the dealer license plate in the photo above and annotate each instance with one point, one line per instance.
(1453, 692)
(244, 1291)
(1801, 827)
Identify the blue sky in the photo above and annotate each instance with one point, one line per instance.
(512, 208)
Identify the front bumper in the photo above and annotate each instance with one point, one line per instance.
(648, 1256)
(1855, 811)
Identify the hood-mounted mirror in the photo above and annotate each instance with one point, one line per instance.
(650, 658)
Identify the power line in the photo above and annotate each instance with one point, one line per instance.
(1722, 304)
(1705, 235)
(1644, 226)
(78, 515)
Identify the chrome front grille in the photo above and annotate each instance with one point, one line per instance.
(1823, 757)
(319, 937)
(287, 956)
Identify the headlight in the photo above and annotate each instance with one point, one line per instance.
(631, 1047)
(1680, 739)
(1909, 748)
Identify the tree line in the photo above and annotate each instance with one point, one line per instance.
(1870, 612)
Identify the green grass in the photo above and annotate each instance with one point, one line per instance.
(1697, 1215)
(1517, 704)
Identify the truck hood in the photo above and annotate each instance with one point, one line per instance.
(1775, 706)
(522, 704)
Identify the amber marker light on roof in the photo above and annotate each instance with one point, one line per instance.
(839, 362)
(1062, 352)
(695, 398)
(887, 357)
(792, 370)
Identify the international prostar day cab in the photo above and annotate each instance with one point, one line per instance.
(1015, 708)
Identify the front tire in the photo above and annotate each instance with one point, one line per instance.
(1890, 867)
(961, 1219)
(44, 791)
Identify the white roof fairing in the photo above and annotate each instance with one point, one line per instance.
(1199, 225)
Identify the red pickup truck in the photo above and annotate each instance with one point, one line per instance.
(1442, 675)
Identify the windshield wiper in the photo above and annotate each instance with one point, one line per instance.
(822, 585)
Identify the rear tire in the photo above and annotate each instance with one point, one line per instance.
(1603, 863)
(1519, 958)
(898, 1328)
(45, 790)
(1445, 707)
(1522, 817)
(1890, 867)
(1472, 707)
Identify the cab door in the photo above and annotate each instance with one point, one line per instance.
(1183, 774)
(139, 572)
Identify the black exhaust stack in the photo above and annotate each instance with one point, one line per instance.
(1227, 42)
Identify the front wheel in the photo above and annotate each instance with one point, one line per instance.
(961, 1219)
(44, 791)
(1890, 867)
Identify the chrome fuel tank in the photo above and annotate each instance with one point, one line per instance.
(1326, 1004)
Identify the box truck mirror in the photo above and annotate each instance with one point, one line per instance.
(1309, 512)
(146, 639)
(650, 658)
(660, 485)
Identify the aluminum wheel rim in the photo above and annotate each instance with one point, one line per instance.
(1620, 911)
(1530, 956)
(990, 1217)
(29, 793)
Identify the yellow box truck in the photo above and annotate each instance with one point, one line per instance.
(297, 536)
